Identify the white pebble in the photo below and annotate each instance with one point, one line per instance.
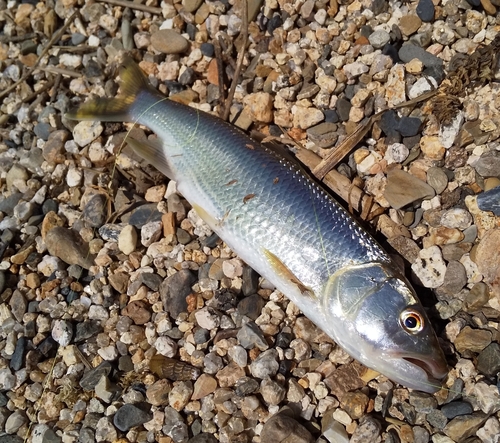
(108, 353)
(127, 240)
(396, 153)
(166, 346)
(430, 267)
(150, 233)
(206, 319)
(74, 177)
(62, 332)
(456, 218)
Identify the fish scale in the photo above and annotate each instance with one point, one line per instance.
(285, 226)
(216, 153)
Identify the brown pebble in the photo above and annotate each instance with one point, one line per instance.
(474, 340)
(213, 73)
(355, 403)
(205, 385)
(138, 312)
(489, 7)
(409, 24)
(157, 393)
(169, 41)
(33, 280)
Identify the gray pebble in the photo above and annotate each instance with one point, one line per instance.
(187, 77)
(265, 365)
(207, 49)
(379, 39)
(367, 431)
(49, 205)
(11, 439)
(437, 179)
(324, 135)
(490, 200)
(183, 236)
(246, 386)
(456, 408)
(7, 204)
(174, 425)
(272, 392)
(455, 251)
(129, 416)
(18, 304)
(437, 419)
(152, 281)
(125, 363)
(251, 306)
(94, 212)
(106, 390)
(476, 298)
(212, 363)
(174, 290)
(343, 109)
(455, 279)
(410, 51)
(201, 335)
(250, 279)
(488, 165)
(144, 214)
(421, 435)
(42, 131)
(425, 10)
(86, 330)
(17, 360)
(91, 378)
(488, 360)
(250, 335)
(15, 421)
(77, 39)
(69, 246)
(423, 402)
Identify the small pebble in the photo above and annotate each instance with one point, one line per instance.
(169, 41)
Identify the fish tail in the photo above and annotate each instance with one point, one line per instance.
(133, 83)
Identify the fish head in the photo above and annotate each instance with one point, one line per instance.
(384, 326)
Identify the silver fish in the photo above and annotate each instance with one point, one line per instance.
(285, 226)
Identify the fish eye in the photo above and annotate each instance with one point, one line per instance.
(411, 321)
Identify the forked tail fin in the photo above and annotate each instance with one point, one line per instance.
(133, 82)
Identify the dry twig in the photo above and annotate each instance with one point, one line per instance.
(133, 5)
(220, 78)
(241, 57)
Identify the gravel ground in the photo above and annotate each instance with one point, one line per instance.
(122, 318)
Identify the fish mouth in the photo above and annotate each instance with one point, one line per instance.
(436, 370)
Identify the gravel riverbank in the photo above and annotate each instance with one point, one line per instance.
(123, 318)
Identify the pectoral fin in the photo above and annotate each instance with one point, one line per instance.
(282, 270)
(152, 152)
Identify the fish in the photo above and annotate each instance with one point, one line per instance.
(284, 225)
